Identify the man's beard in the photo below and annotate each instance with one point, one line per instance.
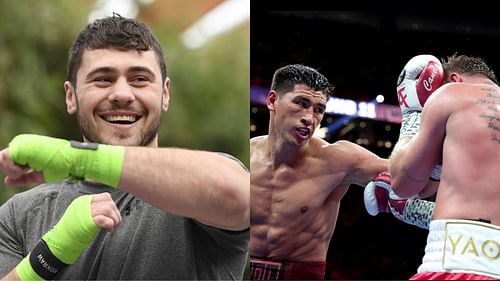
(146, 136)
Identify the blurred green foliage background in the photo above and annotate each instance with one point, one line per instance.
(209, 86)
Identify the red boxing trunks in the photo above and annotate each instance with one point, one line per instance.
(286, 270)
(449, 276)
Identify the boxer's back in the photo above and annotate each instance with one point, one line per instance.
(470, 182)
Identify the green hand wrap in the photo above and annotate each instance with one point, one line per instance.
(67, 240)
(59, 159)
(74, 232)
(26, 272)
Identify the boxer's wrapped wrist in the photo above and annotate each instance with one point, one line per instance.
(63, 244)
(418, 212)
(40, 264)
(410, 124)
(58, 159)
(74, 232)
(99, 162)
(26, 272)
(44, 263)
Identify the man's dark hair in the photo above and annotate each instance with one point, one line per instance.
(285, 79)
(468, 65)
(113, 32)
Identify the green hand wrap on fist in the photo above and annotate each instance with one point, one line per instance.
(74, 232)
(66, 241)
(59, 159)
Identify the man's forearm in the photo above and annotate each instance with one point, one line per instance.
(63, 244)
(404, 184)
(202, 185)
(206, 186)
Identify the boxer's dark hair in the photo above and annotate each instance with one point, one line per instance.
(114, 32)
(286, 77)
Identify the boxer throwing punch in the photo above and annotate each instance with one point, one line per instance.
(298, 181)
(460, 128)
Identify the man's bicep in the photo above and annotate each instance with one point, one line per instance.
(366, 165)
(371, 167)
(433, 128)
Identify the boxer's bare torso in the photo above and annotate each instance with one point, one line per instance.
(295, 200)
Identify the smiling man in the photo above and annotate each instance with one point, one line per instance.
(167, 213)
(137, 96)
(298, 181)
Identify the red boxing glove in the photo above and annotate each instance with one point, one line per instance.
(377, 194)
(379, 197)
(420, 77)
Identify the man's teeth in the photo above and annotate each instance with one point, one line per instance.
(303, 131)
(121, 118)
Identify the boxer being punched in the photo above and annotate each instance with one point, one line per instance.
(421, 76)
(297, 180)
(460, 128)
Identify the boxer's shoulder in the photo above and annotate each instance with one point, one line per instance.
(259, 140)
(340, 150)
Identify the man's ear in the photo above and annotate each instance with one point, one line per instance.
(71, 103)
(455, 77)
(165, 98)
(271, 100)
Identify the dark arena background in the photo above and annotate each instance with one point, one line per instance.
(362, 54)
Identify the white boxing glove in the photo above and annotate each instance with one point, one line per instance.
(376, 194)
(420, 77)
(379, 197)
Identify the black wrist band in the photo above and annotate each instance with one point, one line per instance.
(44, 263)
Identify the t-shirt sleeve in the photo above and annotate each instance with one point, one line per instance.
(234, 158)
(11, 252)
(233, 239)
(236, 240)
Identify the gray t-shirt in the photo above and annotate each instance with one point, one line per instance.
(149, 244)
